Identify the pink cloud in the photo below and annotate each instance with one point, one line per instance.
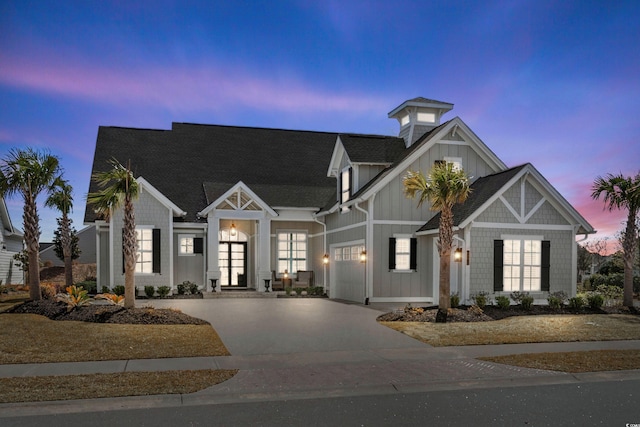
(177, 88)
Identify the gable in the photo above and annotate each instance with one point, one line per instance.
(237, 198)
(517, 196)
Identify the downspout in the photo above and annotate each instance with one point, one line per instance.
(462, 280)
(367, 244)
(324, 246)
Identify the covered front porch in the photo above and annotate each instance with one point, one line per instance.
(250, 245)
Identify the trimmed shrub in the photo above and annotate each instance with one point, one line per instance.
(503, 301)
(181, 288)
(105, 289)
(193, 288)
(526, 302)
(596, 301)
(576, 302)
(163, 291)
(89, 285)
(480, 299)
(118, 289)
(149, 291)
(556, 299)
(455, 300)
(287, 290)
(298, 290)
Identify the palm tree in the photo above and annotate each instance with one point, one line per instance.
(443, 187)
(119, 189)
(61, 198)
(621, 192)
(29, 172)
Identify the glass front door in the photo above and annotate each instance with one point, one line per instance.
(232, 258)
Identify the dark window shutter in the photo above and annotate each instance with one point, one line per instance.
(498, 264)
(392, 253)
(198, 245)
(350, 182)
(340, 187)
(546, 266)
(413, 256)
(156, 250)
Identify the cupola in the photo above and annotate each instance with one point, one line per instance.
(418, 116)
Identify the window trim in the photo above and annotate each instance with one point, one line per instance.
(393, 253)
(545, 262)
(154, 258)
(193, 246)
(291, 260)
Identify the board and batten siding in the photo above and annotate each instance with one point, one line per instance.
(149, 212)
(389, 284)
(391, 202)
(189, 267)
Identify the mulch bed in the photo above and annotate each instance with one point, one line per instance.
(490, 313)
(56, 310)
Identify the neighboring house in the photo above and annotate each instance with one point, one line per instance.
(86, 244)
(226, 206)
(11, 243)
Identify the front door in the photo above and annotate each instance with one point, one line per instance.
(232, 261)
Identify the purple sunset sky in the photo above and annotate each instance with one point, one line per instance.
(554, 83)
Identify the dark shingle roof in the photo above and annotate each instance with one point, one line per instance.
(178, 162)
(481, 190)
(372, 148)
(296, 196)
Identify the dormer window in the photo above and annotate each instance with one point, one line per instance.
(455, 161)
(426, 117)
(404, 120)
(345, 187)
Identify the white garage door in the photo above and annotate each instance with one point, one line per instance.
(347, 273)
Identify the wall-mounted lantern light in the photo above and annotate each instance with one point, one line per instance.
(286, 274)
(233, 230)
(325, 259)
(363, 256)
(457, 255)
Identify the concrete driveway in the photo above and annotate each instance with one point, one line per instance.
(260, 326)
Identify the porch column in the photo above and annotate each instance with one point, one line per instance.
(264, 252)
(213, 269)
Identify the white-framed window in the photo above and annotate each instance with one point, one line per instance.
(426, 117)
(185, 244)
(337, 254)
(292, 251)
(522, 265)
(404, 120)
(402, 253)
(144, 259)
(455, 161)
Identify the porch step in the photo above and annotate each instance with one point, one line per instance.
(239, 294)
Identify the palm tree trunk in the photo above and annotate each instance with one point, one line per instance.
(65, 240)
(31, 237)
(129, 248)
(629, 246)
(445, 236)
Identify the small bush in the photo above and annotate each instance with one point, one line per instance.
(75, 297)
(287, 290)
(149, 291)
(503, 301)
(480, 299)
(556, 299)
(298, 290)
(596, 301)
(576, 302)
(455, 300)
(163, 291)
(517, 296)
(193, 288)
(111, 298)
(49, 290)
(105, 289)
(90, 286)
(527, 302)
(118, 289)
(181, 288)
